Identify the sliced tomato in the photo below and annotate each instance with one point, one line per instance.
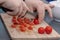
(13, 26)
(27, 20)
(30, 27)
(48, 29)
(22, 28)
(31, 23)
(14, 17)
(19, 19)
(36, 21)
(24, 24)
(41, 30)
(14, 21)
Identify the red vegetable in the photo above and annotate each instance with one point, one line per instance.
(13, 26)
(26, 20)
(30, 27)
(48, 29)
(36, 21)
(22, 28)
(41, 30)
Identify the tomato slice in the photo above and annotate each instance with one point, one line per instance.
(22, 28)
(14, 17)
(36, 21)
(13, 26)
(41, 30)
(27, 20)
(19, 19)
(30, 27)
(14, 21)
(31, 23)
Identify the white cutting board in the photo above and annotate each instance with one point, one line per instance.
(33, 35)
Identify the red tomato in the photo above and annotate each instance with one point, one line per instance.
(30, 28)
(13, 26)
(19, 19)
(41, 30)
(31, 23)
(14, 17)
(22, 28)
(21, 23)
(48, 29)
(26, 20)
(36, 21)
(25, 25)
(14, 21)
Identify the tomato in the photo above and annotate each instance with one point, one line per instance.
(31, 23)
(41, 30)
(22, 28)
(24, 24)
(14, 21)
(36, 21)
(19, 19)
(26, 20)
(30, 27)
(13, 26)
(48, 29)
(14, 17)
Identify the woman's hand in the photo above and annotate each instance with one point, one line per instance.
(18, 7)
(40, 7)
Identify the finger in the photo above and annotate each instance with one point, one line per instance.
(26, 7)
(41, 13)
(20, 10)
(50, 5)
(23, 13)
(49, 11)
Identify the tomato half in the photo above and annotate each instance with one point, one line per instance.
(13, 26)
(30, 27)
(26, 20)
(22, 28)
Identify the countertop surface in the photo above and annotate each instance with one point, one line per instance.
(4, 34)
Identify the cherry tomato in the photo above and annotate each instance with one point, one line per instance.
(31, 23)
(22, 28)
(30, 28)
(41, 30)
(36, 21)
(48, 29)
(26, 20)
(13, 26)
(14, 21)
(19, 19)
(24, 24)
(14, 17)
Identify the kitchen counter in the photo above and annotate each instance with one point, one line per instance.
(4, 34)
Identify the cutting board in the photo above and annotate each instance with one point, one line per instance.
(33, 35)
